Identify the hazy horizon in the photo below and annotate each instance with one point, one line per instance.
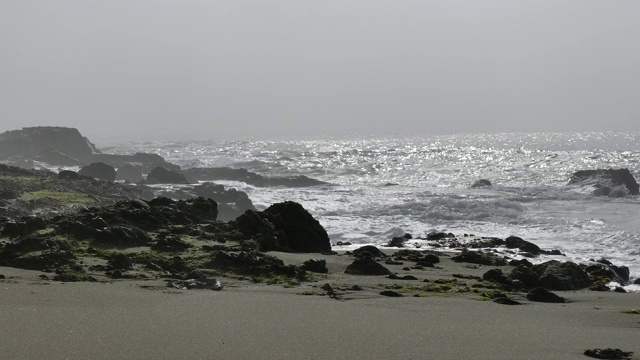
(150, 70)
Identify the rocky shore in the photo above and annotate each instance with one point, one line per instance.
(84, 229)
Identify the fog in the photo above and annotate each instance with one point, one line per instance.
(144, 70)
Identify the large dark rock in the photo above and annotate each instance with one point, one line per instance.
(226, 173)
(68, 175)
(131, 173)
(514, 242)
(480, 257)
(552, 275)
(284, 226)
(161, 175)
(100, 171)
(315, 265)
(605, 177)
(30, 141)
(603, 270)
(366, 266)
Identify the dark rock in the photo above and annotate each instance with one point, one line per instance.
(397, 242)
(481, 183)
(284, 226)
(604, 269)
(171, 243)
(100, 171)
(513, 242)
(197, 275)
(32, 140)
(523, 262)
(439, 236)
(503, 300)
(123, 236)
(497, 276)
(552, 275)
(315, 265)
(608, 353)
(543, 295)
(620, 289)
(120, 261)
(366, 266)
(225, 173)
(69, 175)
(391, 293)
(161, 175)
(637, 281)
(131, 173)
(371, 250)
(479, 257)
(619, 177)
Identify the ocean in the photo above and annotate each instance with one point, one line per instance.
(382, 187)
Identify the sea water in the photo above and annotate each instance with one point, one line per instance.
(381, 187)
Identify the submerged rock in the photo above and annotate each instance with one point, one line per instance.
(619, 177)
(248, 177)
(481, 184)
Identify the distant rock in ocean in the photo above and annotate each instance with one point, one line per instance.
(251, 178)
(56, 144)
(612, 177)
(481, 183)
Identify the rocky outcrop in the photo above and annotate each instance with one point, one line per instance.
(482, 183)
(479, 257)
(100, 171)
(251, 178)
(32, 141)
(605, 179)
(161, 175)
(284, 226)
(553, 275)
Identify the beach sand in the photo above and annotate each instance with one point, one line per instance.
(144, 319)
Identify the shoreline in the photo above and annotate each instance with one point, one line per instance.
(144, 319)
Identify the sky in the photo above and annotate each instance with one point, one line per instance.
(123, 70)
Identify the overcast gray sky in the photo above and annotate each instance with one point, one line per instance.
(128, 69)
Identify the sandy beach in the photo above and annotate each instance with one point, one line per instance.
(144, 319)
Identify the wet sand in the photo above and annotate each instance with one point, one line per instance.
(136, 319)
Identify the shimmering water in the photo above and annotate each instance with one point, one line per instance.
(383, 187)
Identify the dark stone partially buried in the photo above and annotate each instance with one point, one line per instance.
(608, 353)
(543, 295)
(367, 266)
